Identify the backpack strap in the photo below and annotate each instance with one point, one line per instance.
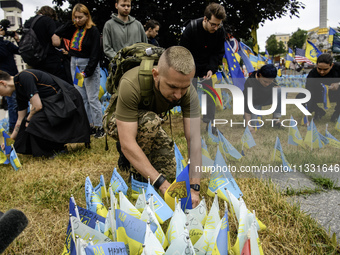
(35, 20)
(31, 26)
(146, 80)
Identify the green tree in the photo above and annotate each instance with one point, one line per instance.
(241, 14)
(281, 48)
(272, 45)
(297, 39)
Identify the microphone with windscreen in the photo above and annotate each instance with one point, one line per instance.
(12, 223)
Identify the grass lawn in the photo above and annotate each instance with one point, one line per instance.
(42, 188)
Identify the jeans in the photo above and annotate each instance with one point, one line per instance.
(89, 91)
(12, 111)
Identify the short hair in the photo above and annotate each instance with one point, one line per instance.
(117, 1)
(215, 9)
(48, 11)
(151, 24)
(177, 57)
(4, 76)
(83, 9)
(268, 71)
(325, 58)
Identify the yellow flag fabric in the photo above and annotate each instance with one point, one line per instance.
(312, 52)
(127, 206)
(254, 36)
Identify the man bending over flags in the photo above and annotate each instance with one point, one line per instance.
(138, 128)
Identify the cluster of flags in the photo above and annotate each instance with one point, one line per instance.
(334, 39)
(8, 155)
(136, 228)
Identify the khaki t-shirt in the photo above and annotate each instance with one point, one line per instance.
(130, 101)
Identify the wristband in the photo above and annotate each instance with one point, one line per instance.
(159, 181)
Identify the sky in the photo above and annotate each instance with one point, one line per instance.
(309, 18)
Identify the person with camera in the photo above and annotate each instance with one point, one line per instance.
(7, 64)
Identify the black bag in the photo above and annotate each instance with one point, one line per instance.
(30, 48)
(59, 107)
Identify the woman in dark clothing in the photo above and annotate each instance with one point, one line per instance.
(85, 54)
(33, 132)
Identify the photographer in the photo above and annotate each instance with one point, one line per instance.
(7, 64)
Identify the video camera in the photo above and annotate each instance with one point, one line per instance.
(5, 24)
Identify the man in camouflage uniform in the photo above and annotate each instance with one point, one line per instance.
(138, 127)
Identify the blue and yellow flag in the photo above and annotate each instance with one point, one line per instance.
(269, 61)
(100, 189)
(87, 217)
(180, 162)
(137, 187)
(106, 249)
(15, 162)
(162, 210)
(221, 178)
(312, 52)
(234, 67)
(8, 141)
(227, 148)
(261, 61)
(253, 59)
(258, 124)
(180, 189)
(3, 158)
(294, 136)
(332, 140)
(78, 78)
(280, 156)
(245, 58)
(131, 231)
(304, 120)
(325, 96)
(103, 77)
(118, 183)
(247, 140)
(206, 158)
(223, 237)
(312, 138)
(289, 57)
(331, 34)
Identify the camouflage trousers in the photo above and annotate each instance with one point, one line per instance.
(154, 141)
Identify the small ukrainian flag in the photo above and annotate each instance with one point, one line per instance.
(78, 78)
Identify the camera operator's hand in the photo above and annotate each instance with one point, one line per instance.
(2, 31)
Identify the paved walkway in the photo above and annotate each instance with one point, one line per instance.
(324, 206)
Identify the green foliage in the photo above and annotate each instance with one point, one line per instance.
(272, 45)
(281, 48)
(172, 15)
(297, 39)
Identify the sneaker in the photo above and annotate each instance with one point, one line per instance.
(319, 114)
(335, 116)
(99, 133)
